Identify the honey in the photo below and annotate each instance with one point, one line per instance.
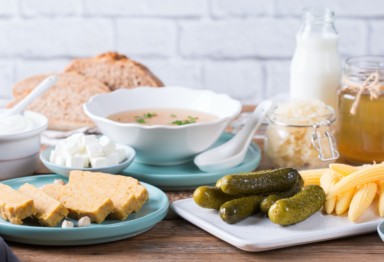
(360, 127)
(361, 136)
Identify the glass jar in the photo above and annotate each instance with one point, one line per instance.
(316, 64)
(300, 135)
(360, 128)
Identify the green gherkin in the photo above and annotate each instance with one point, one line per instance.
(211, 197)
(260, 182)
(295, 209)
(268, 201)
(238, 209)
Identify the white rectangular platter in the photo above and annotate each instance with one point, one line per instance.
(257, 233)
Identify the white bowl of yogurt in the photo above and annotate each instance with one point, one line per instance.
(20, 143)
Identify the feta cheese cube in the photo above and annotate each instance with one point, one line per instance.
(75, 137)
(85, 158)
(113, 159)
(121, 154)
(107, 144)
(74, 162)
(52, 156)
(60, 160)
(97, 162)
(71, 148)
(86, 140)
(94, 150)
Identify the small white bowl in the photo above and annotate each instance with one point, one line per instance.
(64, 171)
(162, 144)
(19, 151)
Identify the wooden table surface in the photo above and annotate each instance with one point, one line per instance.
(175, 239)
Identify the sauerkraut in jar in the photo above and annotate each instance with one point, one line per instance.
(300, 135)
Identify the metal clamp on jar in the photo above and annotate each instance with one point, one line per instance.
(300, 135)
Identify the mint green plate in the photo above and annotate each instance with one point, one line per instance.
(110, 230)
(188, 176)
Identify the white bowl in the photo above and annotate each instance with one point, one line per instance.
(161, 144)
(18, 151)
(64, 171)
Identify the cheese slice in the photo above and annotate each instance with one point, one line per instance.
(126, 193)
(15, 206)
(49, 211)
(80, 201)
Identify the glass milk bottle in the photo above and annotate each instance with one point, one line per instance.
(316, 63)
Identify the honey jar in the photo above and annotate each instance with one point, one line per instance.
(360, 127)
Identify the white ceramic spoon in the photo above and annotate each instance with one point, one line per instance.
(36, 92)
(232, 153)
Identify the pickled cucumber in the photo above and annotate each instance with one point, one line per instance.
(260, 182)
(211, 197)
(268, 201)
(295, 209)
(238, 209)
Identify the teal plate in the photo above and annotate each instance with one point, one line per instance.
(110, 230)
(188, 176)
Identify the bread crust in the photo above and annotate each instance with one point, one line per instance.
(62, 103)
(115, 70)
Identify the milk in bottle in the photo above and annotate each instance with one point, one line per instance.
(316, 64)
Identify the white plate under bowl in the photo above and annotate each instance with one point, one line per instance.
(257, 233)
(64, 171)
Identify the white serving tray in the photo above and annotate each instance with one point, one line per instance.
(257, 233)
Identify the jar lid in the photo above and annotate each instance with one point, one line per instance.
(301, 113)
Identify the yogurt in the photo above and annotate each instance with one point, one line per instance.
(16, 124)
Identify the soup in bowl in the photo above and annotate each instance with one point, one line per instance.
(166, 126)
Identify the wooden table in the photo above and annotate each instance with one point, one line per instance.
(175, 239)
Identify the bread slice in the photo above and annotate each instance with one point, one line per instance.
(126, 193)
(115, 70)
(62, 104)
(15, 206)
(49, 211)
(79, 203)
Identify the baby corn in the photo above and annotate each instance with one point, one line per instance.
(312, 176)
(362, 200)
(363, 175)
(381, 198)
(342, 169)
(343, 201)
(327, 182)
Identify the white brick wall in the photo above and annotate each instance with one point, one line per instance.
(239, 47)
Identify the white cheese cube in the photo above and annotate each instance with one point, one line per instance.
(74, 162)
(60, 160)
(97, 162)
(107, 144)
(86, 140)
(59, 148)
(85, 158)
(94, 150)
(71, 148)
(75, 137)
(113, 159)
(121, 154)
(52, 156)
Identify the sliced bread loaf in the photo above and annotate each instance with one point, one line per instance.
(62, 103)
(115, 70)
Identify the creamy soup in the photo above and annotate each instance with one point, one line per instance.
(163, 116)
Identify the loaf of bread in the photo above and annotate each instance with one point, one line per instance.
(115, 71)
(62, 103)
